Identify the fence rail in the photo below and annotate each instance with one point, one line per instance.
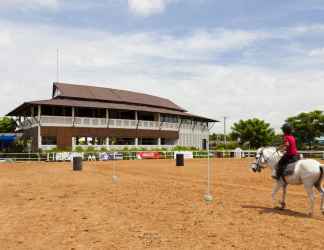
(133, 155)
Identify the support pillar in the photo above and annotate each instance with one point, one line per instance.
(39, 127)
(73, 115)
(107, 117)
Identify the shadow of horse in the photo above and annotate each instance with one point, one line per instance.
(287, 212)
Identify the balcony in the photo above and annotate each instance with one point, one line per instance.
(64, 121)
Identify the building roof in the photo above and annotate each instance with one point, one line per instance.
(97, 104)
(72, 95)
(85, 92)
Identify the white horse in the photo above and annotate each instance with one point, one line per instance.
(308, 172)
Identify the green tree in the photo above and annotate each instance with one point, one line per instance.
(7, 125)
(307, 126)
(254, 132)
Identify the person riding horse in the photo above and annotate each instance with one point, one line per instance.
(290, 148)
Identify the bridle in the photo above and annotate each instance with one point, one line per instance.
(258, 163)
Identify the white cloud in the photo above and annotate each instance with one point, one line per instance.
(52, 4)
(148, 7)
(317, 52)
(181, 69)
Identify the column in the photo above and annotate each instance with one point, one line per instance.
(39, 127)
(73, 115)
(107, 116)
(136, 141)
(159, 141)
(32, 111)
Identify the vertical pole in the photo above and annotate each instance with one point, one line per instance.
(39, 127)
(208, 196)
(73, 115)
(107, 117)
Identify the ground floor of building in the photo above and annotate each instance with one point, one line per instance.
(72, 137)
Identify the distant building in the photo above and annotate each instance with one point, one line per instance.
(79, 115)
(320, 140)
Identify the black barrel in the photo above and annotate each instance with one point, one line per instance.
(179, 160)
(77, 163)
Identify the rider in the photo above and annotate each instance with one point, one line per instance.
(290, 149)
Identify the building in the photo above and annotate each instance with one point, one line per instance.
(82, 116)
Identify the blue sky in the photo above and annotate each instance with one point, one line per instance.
(234, 58)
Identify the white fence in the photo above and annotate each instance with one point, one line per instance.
(133, 155)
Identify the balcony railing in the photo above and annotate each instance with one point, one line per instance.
(64, 121)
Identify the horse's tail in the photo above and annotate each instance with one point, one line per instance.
(319, 182)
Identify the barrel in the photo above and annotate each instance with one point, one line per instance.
(77, 163)
(179, 160)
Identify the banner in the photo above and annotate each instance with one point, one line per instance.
(186, 154)
(148, 155)
(67, 156)
(110, 156)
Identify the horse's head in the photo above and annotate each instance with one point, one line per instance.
(262, 157)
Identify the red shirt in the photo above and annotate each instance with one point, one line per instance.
(291, 142)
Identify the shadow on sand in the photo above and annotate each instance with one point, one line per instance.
(287, 212)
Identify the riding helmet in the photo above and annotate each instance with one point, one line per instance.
(286, 128)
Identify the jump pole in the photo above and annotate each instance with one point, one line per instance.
(114, 176)
(208, 196)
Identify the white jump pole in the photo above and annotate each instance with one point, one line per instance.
(114, 176)
(208, 196)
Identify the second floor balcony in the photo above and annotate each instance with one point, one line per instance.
(67, 121)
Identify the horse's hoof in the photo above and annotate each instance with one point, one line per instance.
(282, 205)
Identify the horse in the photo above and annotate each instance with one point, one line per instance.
(305, 171)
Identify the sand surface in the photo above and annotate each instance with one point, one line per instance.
(154, 205)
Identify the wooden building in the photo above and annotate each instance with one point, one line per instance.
(80, 115)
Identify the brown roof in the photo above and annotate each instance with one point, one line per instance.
(100, 104)
(86, 92)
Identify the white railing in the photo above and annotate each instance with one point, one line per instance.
(68, 121)
(90, 122)
(120, 147)
(56, 121)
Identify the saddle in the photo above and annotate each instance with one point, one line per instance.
(290, 167)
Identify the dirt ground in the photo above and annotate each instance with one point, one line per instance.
(154, 205)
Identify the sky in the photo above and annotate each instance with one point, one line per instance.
(236, 58)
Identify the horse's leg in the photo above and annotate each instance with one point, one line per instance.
(311, 197)
(283, 199)
(320, 189)
(274, 192)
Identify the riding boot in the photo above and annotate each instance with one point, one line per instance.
(275, 174)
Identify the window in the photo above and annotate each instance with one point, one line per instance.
(165, 141)
(122, 141)
(147, 141)
(56, 111)
(90, 141)
(169, 118)
(90, 112)
(49, 140)
(146, 116)
(120, 114)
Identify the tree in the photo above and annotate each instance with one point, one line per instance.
(254, 132)
(7, 125)
(307, 126)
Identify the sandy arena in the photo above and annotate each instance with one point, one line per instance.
(154, 205)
